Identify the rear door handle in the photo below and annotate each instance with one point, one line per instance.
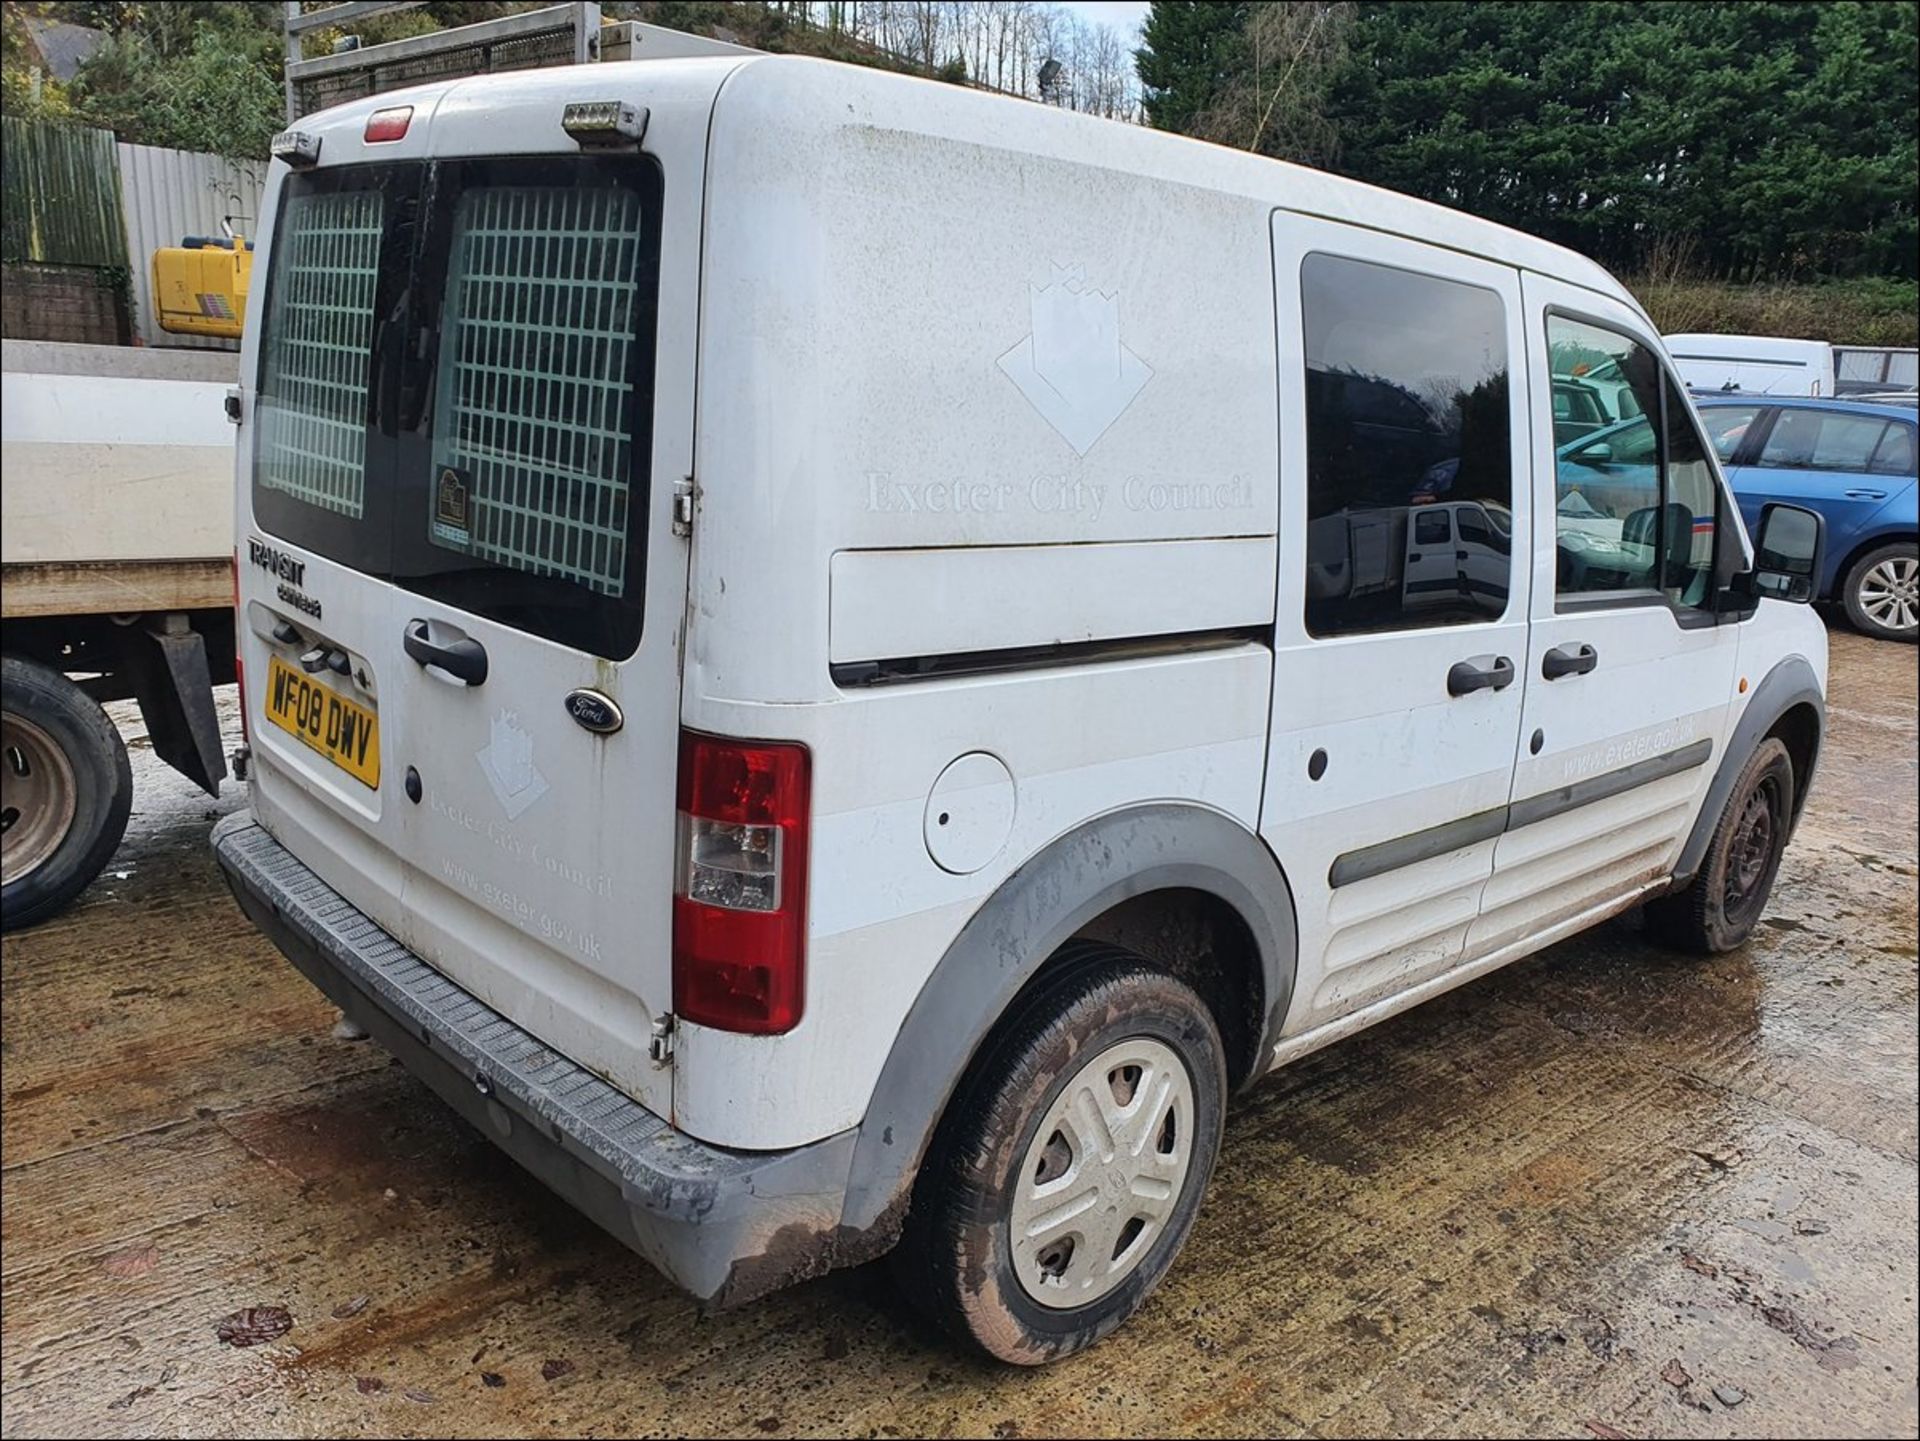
(1568, 660)
(463, 659)
(1483, 672)
(1865, 494)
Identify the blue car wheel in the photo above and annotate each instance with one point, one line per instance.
(1882, 592)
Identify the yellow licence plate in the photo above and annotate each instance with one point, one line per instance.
(344, 732)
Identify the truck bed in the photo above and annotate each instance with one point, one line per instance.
(119, 478)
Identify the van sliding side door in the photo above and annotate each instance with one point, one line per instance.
(1402, 617)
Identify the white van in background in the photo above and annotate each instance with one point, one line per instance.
(836, 660)
(1753, 364)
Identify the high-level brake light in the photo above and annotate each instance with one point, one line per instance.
(387, 125)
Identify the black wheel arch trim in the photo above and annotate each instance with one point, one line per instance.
(1792, 682)
(1052, 895)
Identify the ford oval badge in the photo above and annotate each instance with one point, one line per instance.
(596, 712)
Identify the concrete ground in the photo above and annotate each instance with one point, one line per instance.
(1607, 1192)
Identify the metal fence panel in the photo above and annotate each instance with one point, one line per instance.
(59, 195)
(171, 194)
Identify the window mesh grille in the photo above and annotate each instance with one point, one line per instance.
(313, 431)
(535, 406)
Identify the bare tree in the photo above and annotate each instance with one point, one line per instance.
(1000, 43)
(1279, 108)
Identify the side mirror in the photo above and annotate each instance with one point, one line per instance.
(1786, 558)
(1601, 454)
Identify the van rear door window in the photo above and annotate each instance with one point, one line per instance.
(456, 384)
(524, 482)
(533, 422)
(313, 391)
(336, 278)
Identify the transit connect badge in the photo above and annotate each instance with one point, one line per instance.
(1073, 368)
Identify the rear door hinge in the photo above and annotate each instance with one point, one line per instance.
(683, 506)
(660, 1043)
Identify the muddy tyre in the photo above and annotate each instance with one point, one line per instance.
(1718, 910)
(1882, 592)
(65, 791)
(1070, 1164)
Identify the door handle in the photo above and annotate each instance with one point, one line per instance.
(464, 659)
(1568, 660)
(1483, 672)
(1865, 494)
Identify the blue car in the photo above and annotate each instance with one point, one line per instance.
(1852, 461)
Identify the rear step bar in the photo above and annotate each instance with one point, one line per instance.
(725, 1225)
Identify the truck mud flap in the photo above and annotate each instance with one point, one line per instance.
(166, 661)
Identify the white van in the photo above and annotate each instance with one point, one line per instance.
(813, 667)
(1754, 364)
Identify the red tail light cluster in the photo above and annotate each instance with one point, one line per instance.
(740, 890)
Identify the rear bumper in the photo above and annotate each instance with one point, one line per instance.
(724, 1225)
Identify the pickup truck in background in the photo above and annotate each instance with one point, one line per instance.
(115, 581)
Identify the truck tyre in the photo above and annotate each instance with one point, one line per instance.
(1882, 592)
(67, 791)
(1069, 1166)
(1719, 908)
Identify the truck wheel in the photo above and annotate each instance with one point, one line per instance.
(1882, 592)
(65, 791)
(1719, 908)
(1070, 1164)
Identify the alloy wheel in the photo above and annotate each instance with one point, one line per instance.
(1889, 593)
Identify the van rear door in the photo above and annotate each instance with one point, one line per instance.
(507, 570)
(541, 690)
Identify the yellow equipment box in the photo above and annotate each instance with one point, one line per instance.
(200, 285)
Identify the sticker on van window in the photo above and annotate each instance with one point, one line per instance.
(1073, 368)
(451, 525)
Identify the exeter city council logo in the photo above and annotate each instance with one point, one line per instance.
(507, 763)
(1073, 368)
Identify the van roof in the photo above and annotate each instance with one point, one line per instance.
(816, 97)
(852, 96)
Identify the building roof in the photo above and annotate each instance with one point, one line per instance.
(62, 47)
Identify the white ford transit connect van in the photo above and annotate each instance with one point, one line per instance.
(837, 661)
